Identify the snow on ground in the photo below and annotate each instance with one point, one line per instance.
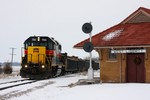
(58, 89)
(13, 76)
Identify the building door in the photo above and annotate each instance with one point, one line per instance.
(135, 68)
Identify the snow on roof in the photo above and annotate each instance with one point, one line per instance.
(112, 35)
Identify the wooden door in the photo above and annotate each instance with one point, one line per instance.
(135, 68)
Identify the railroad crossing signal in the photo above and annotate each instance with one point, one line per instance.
(88, 47)
(87, 28)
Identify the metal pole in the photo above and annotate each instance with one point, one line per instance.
(90, 70)
(90, 52)
(12, 54)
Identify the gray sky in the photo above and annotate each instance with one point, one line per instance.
(61, 19)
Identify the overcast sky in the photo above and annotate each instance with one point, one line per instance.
(61, 19)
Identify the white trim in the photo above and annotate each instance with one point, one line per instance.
(101, 47)
(131, 16)
(134, 15)
(129, 51)
(121, 46)
(147, 14)
(112, 61)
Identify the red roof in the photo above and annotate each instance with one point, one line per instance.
(123, 34)
(141, 9)
(145, 9)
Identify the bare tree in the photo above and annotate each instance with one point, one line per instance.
(7, 69)
(1, 70)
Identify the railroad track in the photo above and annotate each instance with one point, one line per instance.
(11, 84)
(16, 83)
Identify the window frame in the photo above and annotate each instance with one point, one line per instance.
(110, 55)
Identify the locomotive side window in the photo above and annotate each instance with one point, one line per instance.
(59, 47)
(51, 45)
(27, 44)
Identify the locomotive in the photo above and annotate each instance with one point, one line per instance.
(43, 59)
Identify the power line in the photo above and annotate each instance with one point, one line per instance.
(12, 55)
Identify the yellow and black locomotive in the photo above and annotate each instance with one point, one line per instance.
(42, 58)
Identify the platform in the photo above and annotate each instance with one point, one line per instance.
(95, 80)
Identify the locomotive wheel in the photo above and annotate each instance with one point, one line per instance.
(59, 71)
(54, 71)
(63, 71)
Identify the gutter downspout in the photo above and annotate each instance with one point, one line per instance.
(121, 69)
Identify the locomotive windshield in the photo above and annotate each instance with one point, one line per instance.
(37, 41)
(35, 44)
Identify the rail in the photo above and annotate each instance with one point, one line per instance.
(15, 85)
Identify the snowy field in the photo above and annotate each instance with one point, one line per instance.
(10, 77)
(59, 89)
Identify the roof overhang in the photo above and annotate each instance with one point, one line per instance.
(129, 33)
(101, 47)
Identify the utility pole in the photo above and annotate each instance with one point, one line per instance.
(12, 54)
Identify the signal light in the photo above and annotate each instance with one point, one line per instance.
(43, 66)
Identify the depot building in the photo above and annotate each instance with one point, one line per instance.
(124, 49)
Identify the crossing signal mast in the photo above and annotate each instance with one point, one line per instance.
(88, 47)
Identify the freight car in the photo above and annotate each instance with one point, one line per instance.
(75, 64)
(42, 58)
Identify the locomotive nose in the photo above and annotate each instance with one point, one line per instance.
(36, 54)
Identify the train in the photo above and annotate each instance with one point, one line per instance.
(42, 58)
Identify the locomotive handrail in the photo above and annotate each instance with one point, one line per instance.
(31, 56)
(39, 57)
(49, 63)
(22, 51)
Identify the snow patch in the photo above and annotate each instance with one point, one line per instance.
(112, 35)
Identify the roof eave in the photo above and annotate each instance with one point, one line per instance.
(131, 46)
(134, 14)
(78, 47)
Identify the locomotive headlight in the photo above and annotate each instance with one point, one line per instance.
(43, 66)
(26, 66)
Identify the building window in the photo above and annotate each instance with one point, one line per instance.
(111, 56)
